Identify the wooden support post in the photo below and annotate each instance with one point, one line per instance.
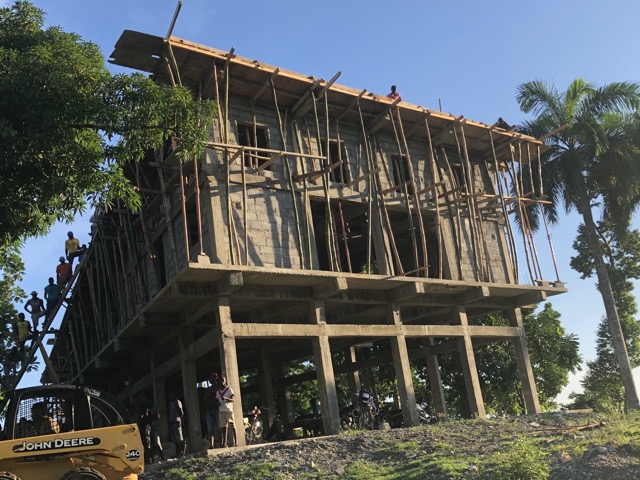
(266, 388)
(229, 363)
(528, 381)
(189, 390)
(468, 362)
(324, 368)
(353, 376)
(403, 370)
(435, 381)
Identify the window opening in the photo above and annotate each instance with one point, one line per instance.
(401, 172)
(337, 160)
(250, 136)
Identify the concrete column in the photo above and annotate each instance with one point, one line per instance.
(353, 377)
(528, 381)
(468, 361)
(284, 400)
(160, 401)
(190, 391)
(435, 381)
(403, 370)
(229, 363)
(219, 241)
(324, 368)
(266, 388)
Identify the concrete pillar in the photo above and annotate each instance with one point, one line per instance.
(468, 362)
(353, 377)
(219, 245)
(528, 381)
(435, 381)
(284, 399)
(403, 370)
(266, 388)
(324, 368)
(160, 401)
(190, 391)
(229, 363)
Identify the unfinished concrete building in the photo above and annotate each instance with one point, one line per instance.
(320, 219)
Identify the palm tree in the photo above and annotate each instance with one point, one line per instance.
(594, 161)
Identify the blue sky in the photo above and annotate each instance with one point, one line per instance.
(469, 55)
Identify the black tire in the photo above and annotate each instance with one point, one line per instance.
(83, 473)
(8, 476)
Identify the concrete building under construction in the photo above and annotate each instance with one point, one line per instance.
(319, 220)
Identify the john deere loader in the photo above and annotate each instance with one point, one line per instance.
(67, 432)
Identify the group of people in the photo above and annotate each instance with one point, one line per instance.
(221, 427)
(35, 306)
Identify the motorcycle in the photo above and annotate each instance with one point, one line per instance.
(253, 430)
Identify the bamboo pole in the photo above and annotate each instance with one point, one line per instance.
(327, 181)
(510, 238)
(297, 136)
(289, 175)
(414, 185)
(370, 187)
(405, 192)
(438, 225)
(327, 196)
(456, 199)
(167, 218)
(147, 237)
(467, 173)
(514, 181)
(477, 214)
(383, 211)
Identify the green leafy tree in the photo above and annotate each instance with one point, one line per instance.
(594, 158)
(69, 129)
(602, 383)
(554, 354)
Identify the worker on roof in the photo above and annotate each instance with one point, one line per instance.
(394, 93)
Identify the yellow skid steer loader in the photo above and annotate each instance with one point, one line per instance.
(68, 432)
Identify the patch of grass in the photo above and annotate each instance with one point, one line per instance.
(523, 460)
(177, 473)
(404, 447)
(365, 470)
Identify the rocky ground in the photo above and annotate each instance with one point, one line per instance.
(547, 446)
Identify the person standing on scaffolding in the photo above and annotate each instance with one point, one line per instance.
(52, 294)
(63, 273)
(71, 247)
(22, 332)
(35, 307)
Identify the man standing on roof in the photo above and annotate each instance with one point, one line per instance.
(71, 247)
(52, 295)
(394, 93)
(63, 272)
(35, 307)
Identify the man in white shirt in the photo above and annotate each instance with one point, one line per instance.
(226, 421)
